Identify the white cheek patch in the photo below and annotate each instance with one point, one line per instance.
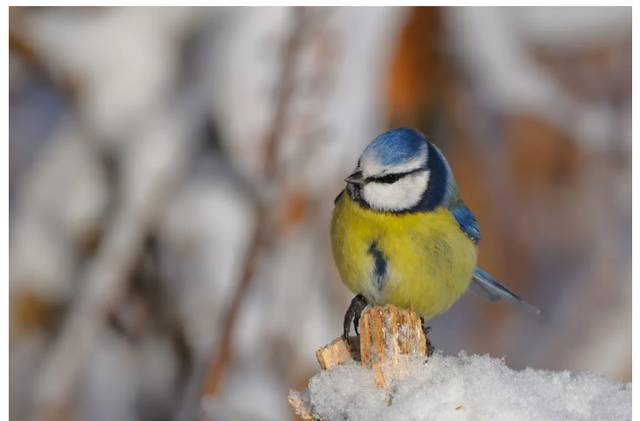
(399, 196)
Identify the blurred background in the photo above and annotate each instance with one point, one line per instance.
(173, 170)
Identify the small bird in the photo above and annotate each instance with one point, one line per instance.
(401, 234)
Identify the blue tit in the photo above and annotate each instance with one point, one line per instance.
(401, 234)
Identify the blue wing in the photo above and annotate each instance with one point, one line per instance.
(468, 224)
(485, 286)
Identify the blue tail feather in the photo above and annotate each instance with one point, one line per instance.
(487, 287)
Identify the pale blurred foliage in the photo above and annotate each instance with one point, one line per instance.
(139, 165)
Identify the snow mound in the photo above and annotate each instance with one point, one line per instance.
(466, 387)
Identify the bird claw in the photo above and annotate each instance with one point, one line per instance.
(353, 314)
(426, 329)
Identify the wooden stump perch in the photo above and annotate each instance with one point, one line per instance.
(386, 333)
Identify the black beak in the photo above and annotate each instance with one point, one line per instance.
(356, 178)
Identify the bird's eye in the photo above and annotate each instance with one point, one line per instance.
(389, 179)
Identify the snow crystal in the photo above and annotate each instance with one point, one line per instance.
(466, 388)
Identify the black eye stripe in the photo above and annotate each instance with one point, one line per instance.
(392, 178)
(388, 179)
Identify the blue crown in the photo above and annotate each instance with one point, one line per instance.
(396, 146)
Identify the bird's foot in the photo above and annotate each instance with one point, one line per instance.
(353, 314)
(426, 329)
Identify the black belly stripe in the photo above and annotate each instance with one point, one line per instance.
(380, 274)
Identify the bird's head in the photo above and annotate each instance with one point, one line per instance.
(400, 171)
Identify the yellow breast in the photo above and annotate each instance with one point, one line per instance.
(422, 258)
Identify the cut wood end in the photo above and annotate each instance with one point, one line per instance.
(385, 334)
(336, 353)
